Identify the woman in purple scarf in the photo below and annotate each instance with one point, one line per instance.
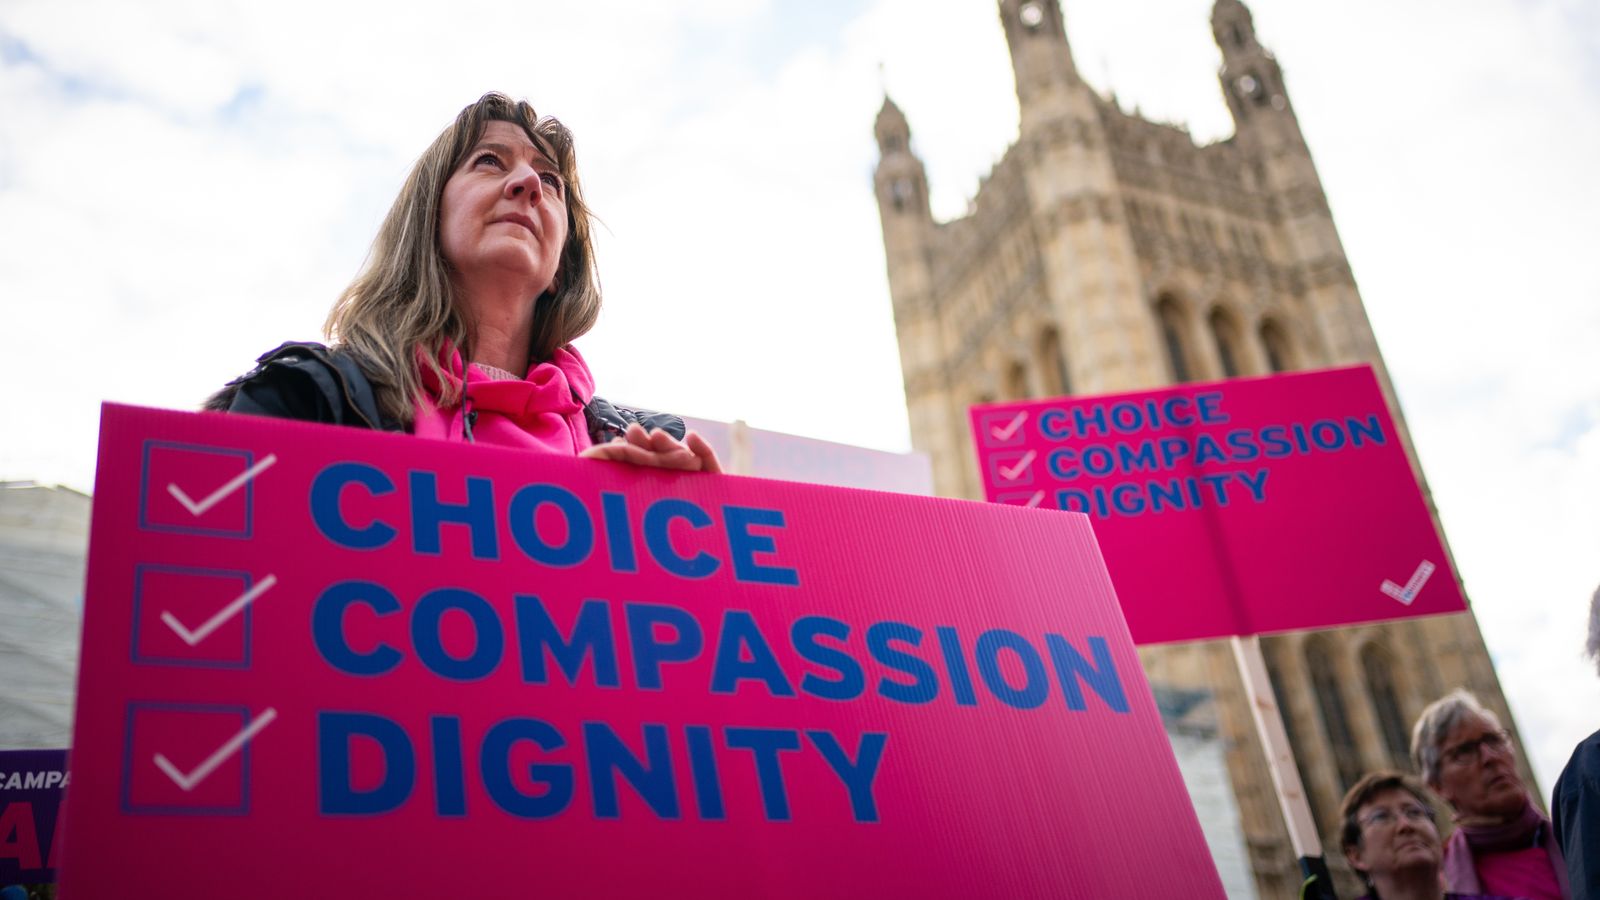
(1502, 843)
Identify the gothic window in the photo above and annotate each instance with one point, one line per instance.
(1376, 664)
(900, 191)
(1280, 357)
(1238, 37)
(1241, 242)
(1172, 331)
(1016, 381)
(1341, 742)
(1196, 233)
(1227, 340)
(1052, 365)
(891, 144)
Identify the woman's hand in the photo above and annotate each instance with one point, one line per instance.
(658, 448)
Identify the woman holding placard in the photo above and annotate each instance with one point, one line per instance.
(460, 325)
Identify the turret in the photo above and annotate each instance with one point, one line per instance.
(1041, 59)
(901, 180)
(902, 187)
(1252, 80)
(908, 236)
(1267, 127)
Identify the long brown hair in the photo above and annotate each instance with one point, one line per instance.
(403, 299)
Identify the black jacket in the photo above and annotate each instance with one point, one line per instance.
(1575, 809)
(313, 383)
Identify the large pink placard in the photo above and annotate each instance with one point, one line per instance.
(1237, 507)
(319, 661)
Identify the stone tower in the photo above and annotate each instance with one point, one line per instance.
(1106, 252)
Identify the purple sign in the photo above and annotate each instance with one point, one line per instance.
(31, 785)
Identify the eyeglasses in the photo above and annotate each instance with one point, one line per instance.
(1467, 751)
(1385, 818)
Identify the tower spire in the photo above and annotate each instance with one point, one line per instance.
(1252, 81)
(902, 182)
(1041, 58)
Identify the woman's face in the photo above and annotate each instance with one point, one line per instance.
(1397, 833)
(504, 212)
(1478, 770)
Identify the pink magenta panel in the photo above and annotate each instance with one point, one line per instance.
(1239, 507)
(327, 662)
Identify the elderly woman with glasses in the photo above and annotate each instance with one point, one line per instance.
(1389, 838)
(1502, 844)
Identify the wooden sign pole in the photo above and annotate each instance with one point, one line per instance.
(1285, 775)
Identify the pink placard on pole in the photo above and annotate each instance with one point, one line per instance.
(319, 661)
(1237, 507)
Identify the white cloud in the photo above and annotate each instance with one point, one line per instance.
(186, 184)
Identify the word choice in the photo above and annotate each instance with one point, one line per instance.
(1128, 416)
(548, 787)
(569, 535)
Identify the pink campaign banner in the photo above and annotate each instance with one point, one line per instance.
(1237, 507)
(322, 661)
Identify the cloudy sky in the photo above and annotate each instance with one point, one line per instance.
(185, 184)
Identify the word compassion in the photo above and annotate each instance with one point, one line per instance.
(1135, 475)
(533, 768)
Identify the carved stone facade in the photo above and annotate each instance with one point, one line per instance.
(1105, 252)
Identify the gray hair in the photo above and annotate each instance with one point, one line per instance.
(1592, 647)
(1437, 721)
